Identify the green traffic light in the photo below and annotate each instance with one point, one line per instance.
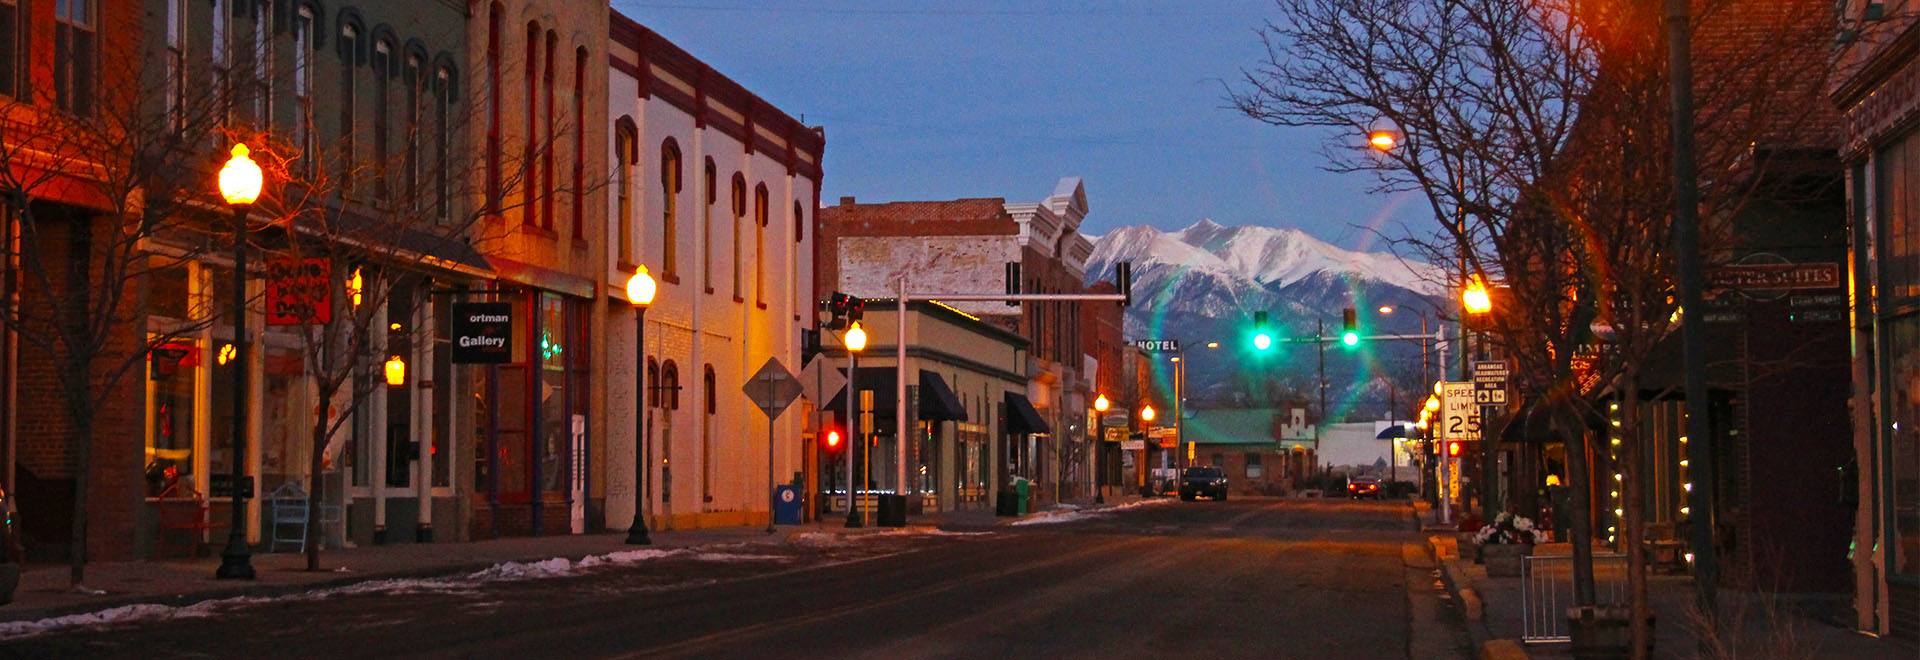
(1262, 341)
(1350, 338)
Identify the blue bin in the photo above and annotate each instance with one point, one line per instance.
(786, 505)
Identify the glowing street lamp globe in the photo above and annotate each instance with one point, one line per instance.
(856, 337)
(1100, 404)
(240, 178)
(641, 287)
(1147, 414)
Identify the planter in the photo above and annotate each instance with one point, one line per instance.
(9, 580)
(1503, 559)
(1464, 541)
(1602, 633)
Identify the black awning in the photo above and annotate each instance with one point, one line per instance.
(1021, 416)
(878, 379)
(937, 401)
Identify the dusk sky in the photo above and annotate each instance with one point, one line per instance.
(937, 100)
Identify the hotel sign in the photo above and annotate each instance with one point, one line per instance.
(482, 333)
(1158, 345)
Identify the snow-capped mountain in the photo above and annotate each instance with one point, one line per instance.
(1204, 282)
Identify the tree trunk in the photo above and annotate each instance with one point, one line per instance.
(1632, 491)
(1579, 501)
(82, 421)
(315, 478)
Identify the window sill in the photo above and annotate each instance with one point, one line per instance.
(739, 300)
(670, 278)
(625, 266)
(759, 305)
(537, 230)
(709, 291)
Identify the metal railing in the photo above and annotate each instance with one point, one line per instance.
(1546, 591)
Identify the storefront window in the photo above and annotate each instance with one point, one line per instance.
(1903, 398)
(171, 420)
(286, 422)
(554, 420)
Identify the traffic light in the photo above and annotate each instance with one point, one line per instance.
(832, 438)
(1453, 449)
(843, 309)
(1349, 327)
(1262, 337)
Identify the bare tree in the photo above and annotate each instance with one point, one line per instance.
(1536, 133)
(94, 183)
(384, 228)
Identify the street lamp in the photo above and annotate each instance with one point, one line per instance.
(856, 340)
(1100, 406)
(1383, 135)
(640, 290)
(1147, 414)
(240, 183)
(1386, 309)
(1475, 298)
(396, 370)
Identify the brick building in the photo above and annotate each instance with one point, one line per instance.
(964, 246)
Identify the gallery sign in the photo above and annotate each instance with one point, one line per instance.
(482, 333)
(299, 291)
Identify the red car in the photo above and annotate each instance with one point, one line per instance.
(1359, 487)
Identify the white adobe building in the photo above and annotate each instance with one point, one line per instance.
(715, 191)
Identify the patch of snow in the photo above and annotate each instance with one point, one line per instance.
(1078, 515)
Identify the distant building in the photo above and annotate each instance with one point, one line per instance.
(964, 246)
(1252, 446)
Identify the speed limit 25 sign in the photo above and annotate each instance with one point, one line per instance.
(1459, 413)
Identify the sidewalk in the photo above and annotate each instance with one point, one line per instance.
(43, 590)
(1793, 627)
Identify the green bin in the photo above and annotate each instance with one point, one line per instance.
(1023, 494)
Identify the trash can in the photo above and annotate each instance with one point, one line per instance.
(1023, 494)
(1004, 504)
(893, 511)
(786, 505)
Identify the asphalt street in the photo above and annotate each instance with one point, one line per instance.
(1237, 579)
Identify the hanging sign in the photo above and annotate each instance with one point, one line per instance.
(482, 333)
(299, 291)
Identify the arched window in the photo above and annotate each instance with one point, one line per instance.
(669, 209)
(382, 71)
(799, 223)
(670, 385)
(626, 140)
(760, 245)
(550, 142)
(708, 387)
(580, 143)
(494, 149)
(712, 175)
(349, 44)
(653, 383)
(530, 156)
(739, 218)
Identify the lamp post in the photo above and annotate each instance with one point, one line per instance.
(640, 290)
(240, 183)
(856, 341)
(1100, 406)
(1147, 414)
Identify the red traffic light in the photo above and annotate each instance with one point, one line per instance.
(1453, 449)
(833, 440)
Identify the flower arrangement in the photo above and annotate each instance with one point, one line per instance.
(1510, 529)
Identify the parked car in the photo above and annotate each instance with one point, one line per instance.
(1203, 481)
(10, 548)
(1368, 487)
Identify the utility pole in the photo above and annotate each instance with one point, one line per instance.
(1693, 337)
(1320, 341)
